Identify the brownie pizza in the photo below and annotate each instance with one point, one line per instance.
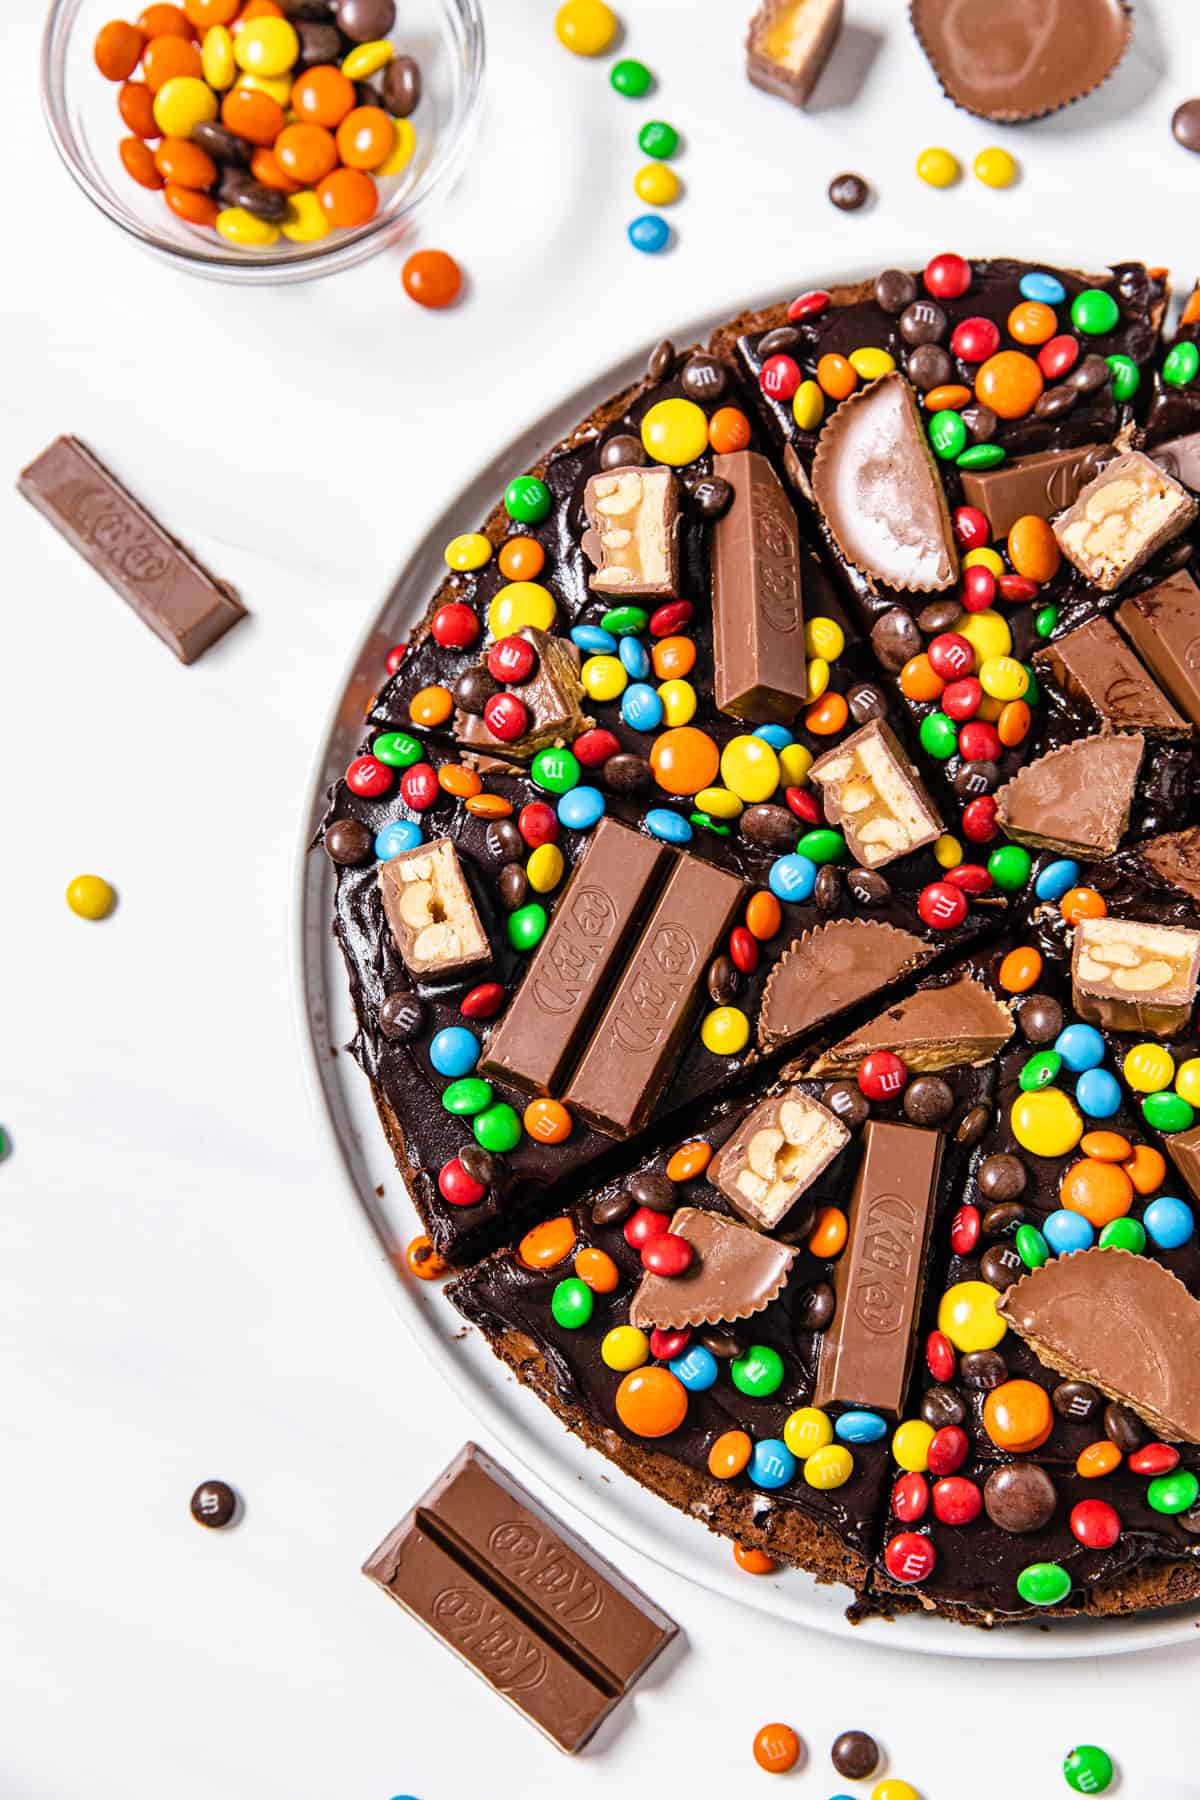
(770, 891)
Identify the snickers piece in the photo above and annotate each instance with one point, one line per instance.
(872, 791)
(1044, 483)
(1163, 624)
(1093, 665)
(1132, 975)
(789, 43)
(633, 535)
(1120, 519)
(600, 912)
(761, 670)
(171, 592)
(776, 1154)
(551, 1628)
(430, 911)
(866, 1355)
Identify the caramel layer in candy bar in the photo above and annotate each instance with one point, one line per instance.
(775, 1154)
(429, 908)
(872, 791)
(633, 535)
(1129, 511)
(1131, 975)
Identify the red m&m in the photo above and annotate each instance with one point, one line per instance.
(942, 905)
(512, 660)
(667, 1254)
(455, 625)
(1096, 1524)
(882, 1075)
(779, 377)
(910, 1498)
(457, 1187)
(910, 1557)
(974, 340)
(506, 717)
(947, 277)
(964, 1230)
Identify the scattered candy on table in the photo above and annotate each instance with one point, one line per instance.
(91, 897)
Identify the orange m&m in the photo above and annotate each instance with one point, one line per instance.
(764, 915)
(521, 559)
(689, 1161)
(1012, 727)
(728, 430)
(651, 1402)
(323, 96)
(919, 680)
(1146, 1169)
(432, 278)
(422, 1260)
(549, 1243)
(1032, 322)
(252, 114)
(454, 779)
(684, 760)
(547, 1121)
(1106, 1146)
(489, 806)
(1017, 1415)
(1010, 383)
(348, 197)
(1082, 903)
(753, 1561)
(1020, 970)
(1099, 1191)
(946, 399)
(673, 657)
(1097, 1459)
(776, 1749)
(431, 706)
(828, 1235)
(828, 716)
(598, 1269)
(1033, 548)
(365, 136)
(306, 152)
(836, 376)
(729, 1454)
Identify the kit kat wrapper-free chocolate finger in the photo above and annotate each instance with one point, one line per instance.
(552, 1628)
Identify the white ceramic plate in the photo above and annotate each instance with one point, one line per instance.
(375, 1197)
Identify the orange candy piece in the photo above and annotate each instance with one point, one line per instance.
(919, 680)
(422, 1260)
(729, 1454)
(651, 1402)
(828, 1235)
(673, 657)
(776, 1749)
(1082, 903)
(264, 166)
(323, 96)
(431, 278)
(1097, 1459)
(463, 783)
(1106, 1146)
(192, 207)
(1146, 1169)
(828, 716)
(365, 136)
(1191, 312)
(118, 49)
(946, 399)
(598, 1269)
(184, 164)
(203, 14)
(1020, 970)
(137, 160)
(549, 1243)
(258, 9)
(489, 806)
(253, 115)
(165, 21)
(1017, 1415)
(166, 57)
(728, 430)
(306, 153)
(547, 1121)
(521, 559)
(764, 915)
(135, 103)
(753, 1561)
(684, 760)
(1012, 727)
(1033, 548)
(689, 1161)
(431, 706)
(836, 376)
(1010, 383)
(348, 197)
(1032, 322)
(1099, 1191)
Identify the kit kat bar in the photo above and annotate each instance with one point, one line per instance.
(641, 1032)
(1163, 624)
(866, 1355)
(1183, 1147)
(171, 592)
(758, 617)
(592, 929)
(546, 1623)
(1045, 483)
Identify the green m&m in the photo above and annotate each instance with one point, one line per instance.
(1167, 1112)
(1043, 1584)
(822, 845)
(631, 78)
(1088, 1769)
(527, 499)
(947, 434)
(657, 138)
(1032, 1247)
(625, 621)
(527, 926)
(1040, 1070)
(470, 1094)
(1094, 312)
(398, 749)
(571, 1303)
(1181, 365)
(498, 1128)
(982, 456)
(1173, 1493)
(758, 1371)
(1009, 867)
(1044, 620)
(555, 771)
(1126, 377)
(1124, 1234)
(939, 735)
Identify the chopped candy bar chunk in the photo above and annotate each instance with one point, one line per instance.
(873, 792)
(430, 910)
(1130, 975)
(776, 1154)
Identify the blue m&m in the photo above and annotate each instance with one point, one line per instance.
(670, 826)
(454, 1051)
(1098, 1092)
(697, 1368)
(1169, 1222)
(1081, 1047)
(772, 1464)
(401, 834)
(593, 640)
(792, 878)
(1066, 1231)
(649, 233)
(580, 809)
(1056, 879)
(641, 707)
(1037, 285)
(778, 736)
(635, 657)
(860, 1427)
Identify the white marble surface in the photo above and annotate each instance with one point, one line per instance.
(180, 1296)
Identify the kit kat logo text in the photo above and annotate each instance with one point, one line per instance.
(116, 530)
(888, 1228)
(565, 970)
(776, 560)
(544, 1568)
(661, 982)
(510, 1657)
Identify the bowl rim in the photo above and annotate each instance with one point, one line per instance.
(294, 263)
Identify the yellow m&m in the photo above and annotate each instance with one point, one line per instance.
(986, 632)
(995, 167)
(968, 1317)
(519, 604)
(679, 701)
(1148, 1068)
(624, 1348)
(870, 363)
(808, 405)
(586, 27)
(718, 803)
(947, 851)
(544, 870)
(984, 558)
(1003, 677)
(750, 768)
(725, 1031)
(656, 184)
(471, 550)
(1046, 1122)
(938, 167)
(675, 432)
(824, 637)
(1187, 1081)
(910, 1444)
(807, 1430)
(795, 760)
(91, 897)
(831, 1467)
(604, 677)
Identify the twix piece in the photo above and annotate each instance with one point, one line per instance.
(866, 1355)
(758, 618)
(872, 791)
(549, 1626)
(789, 44)
(776, 1154)
(1133, 975)
(633, 532)
(429, 908)
(1131, 509)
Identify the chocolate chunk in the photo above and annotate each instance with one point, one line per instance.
(983, 1369)
(1045, 484)
(935, 1028)
(735, 1273)
(1019, 1497)
(1040, 1017)
(1130, 510)
(1163, 624)
(867, 1353)
(171, 592)
(871, 789)
(633, 532)
(758, 617)
(657, 1192)
(521, 1600)
(1093, 665)
(621, 452)
(923, 322)
(855, 1754)
(894, 290)
(788, 45)
(847, 1100)
(928, 1100)
(770, 827)
(552, 697)
(848, 192)
(1175, 856)
(776, 1154)
(401, 86)
(875, 481)
(478, 1163)
(591, 934)
(347, 842)
(1180, 457)
(830, 968)
(704, 378)
(645, 1023)
(1077, 1400)
(1075, 799)
(895, 638)
(430, 911)
(401, 1017)
(1135, 975)
(1124, 1429)
(1021, 61)
(815, 1308)
(1123, 1323)
(1001, 1176)
(214, 1504)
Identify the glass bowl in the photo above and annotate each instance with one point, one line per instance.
(445, 37)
